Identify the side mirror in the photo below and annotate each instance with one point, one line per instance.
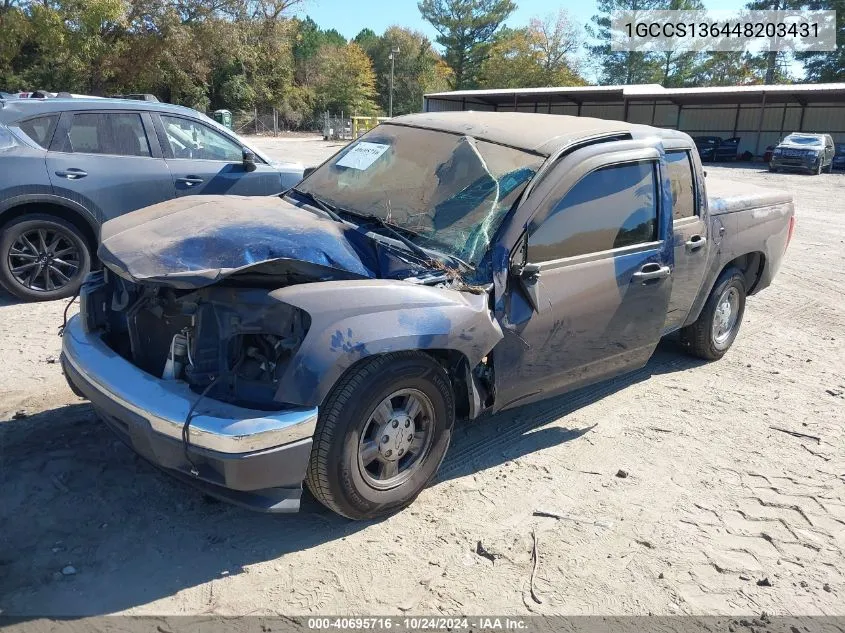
(248, 159)
(528, 277)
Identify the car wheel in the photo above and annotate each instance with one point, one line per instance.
(773, 169)
(42, 258)
(381, 435)
(712, 335)
(818, 169)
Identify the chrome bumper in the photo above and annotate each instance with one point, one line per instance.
(165, 404)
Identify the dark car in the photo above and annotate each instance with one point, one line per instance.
(839, 157)
(803, 151)
(68, 164)
(333, 334)
(706, 146)
(727, 150)
(716, 148)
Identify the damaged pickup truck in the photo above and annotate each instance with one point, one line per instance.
(441, 266)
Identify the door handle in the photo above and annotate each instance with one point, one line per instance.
(72, 173)
(651, 272)
(189, 181)
(696, 242)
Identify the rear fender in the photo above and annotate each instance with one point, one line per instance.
(351, 320)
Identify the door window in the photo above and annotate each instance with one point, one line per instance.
(190, 139)
(679, 168)
(117, 134)
(612, 207)
(40, 129)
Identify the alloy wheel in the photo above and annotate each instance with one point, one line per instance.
(44, 259)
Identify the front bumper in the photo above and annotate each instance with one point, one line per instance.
(252, 458)
(796, 163)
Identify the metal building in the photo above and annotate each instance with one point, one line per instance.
(759, 115)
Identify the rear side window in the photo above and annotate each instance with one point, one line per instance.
(609, 208)
(117, 134)
(40, 129)
(679, 166)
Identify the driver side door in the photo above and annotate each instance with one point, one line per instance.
(204, 161)
(599, 263)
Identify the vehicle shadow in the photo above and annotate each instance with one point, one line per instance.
(491, 440)
(6, 299)
(73, 494)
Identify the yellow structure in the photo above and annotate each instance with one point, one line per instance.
(363, 124)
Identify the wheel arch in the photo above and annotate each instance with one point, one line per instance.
(751, 265)
(56, 207)
(470, 396)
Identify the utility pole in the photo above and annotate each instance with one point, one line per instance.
(393, 53)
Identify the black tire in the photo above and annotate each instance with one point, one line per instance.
(74, 267)
(818, 170)
(699, 338)
(773, 169)
(334, 473)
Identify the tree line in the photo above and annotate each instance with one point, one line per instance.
(239, 54)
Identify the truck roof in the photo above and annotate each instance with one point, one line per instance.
(539, 133)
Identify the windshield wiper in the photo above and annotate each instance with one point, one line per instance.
(416, 249)
(321, 204)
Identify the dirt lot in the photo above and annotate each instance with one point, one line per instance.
(719, 513)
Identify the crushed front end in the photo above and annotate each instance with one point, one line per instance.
(187, 378)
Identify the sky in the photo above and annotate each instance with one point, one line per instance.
(350, 16)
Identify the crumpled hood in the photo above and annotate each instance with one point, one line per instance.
(195, 241)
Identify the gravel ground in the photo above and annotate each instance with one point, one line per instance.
(718, 514)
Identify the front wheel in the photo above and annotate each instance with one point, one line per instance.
(712, 335)
(382, 433)
(42, 257)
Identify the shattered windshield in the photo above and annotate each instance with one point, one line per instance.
(803, 140)
(449, 192)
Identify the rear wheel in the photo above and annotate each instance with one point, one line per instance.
(382, 433)
(42, 257)
(712, 335)
(773, 169)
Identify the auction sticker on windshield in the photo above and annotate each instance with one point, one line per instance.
(362, 155)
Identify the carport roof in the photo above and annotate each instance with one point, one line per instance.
(798, 93)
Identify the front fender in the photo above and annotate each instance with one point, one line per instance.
(351, 320)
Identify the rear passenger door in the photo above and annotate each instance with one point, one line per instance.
(689, 235)
(204, 161)
(600, 249)
(109, 162)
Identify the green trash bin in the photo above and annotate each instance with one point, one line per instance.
(223, 117)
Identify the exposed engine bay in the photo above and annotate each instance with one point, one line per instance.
(231, 343)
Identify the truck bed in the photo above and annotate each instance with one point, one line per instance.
(728, 196)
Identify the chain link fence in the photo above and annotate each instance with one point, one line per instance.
(265, 122)
(271, 122)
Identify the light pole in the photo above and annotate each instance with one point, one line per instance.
(393, 53)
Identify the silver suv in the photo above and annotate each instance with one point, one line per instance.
(67, 165)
